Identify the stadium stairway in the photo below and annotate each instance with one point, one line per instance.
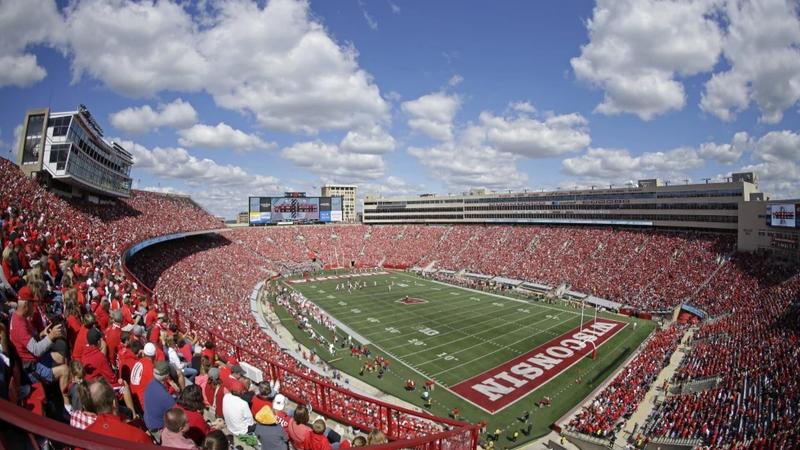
(644, 409)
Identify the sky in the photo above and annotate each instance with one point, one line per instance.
(227, 99)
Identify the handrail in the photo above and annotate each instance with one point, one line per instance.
(322, 396)
(63, 433)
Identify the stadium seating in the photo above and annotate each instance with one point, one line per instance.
(621, 397)
(751, 345)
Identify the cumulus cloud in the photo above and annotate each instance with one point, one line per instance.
(433, 114)
(556, 135)
(272, 61)
(776, 156)
(464, 166)
(637, 48)
(374, 140)
(26, 23)
(725, 153)
(136, 120)
(762, 45)
(331, 164)
(211, 184)
(615, 164)
(221, 135)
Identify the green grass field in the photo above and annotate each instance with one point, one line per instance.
(456, 334)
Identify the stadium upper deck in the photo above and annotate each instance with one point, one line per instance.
(710, 206)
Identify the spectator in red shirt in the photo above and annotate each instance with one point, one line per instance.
(23, 337)
(317, 440)
(233, 383)
(113, 336)
(190, 401)
(89, 322)
(214, 391)
(107, 422)
(142, 374)
(95, 363)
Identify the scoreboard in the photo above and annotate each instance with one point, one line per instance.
(783, 215)
(295, 209)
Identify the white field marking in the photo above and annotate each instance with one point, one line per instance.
(466, 315)
(453, 293)
(367, 331)
(491, 294)
(434, 307)
(331, 296)
(483, 341)
(495, 351)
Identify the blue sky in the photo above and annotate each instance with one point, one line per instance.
(222, 100)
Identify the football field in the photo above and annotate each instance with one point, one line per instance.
(492, 356)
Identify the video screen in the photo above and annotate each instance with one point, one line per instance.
(782, 215)
(295, 208)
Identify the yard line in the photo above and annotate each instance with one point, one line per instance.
(504, 324)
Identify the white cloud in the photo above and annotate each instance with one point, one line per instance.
(762, 45)
(616, 164)
(371, 22)
(211, 184)
(638, 47)
(220, 136)
(331, 164)
(726, 153)
(433, 114)
(463, 165)
(273, 61)
(556, 135)
(135, 120)
(522, 107)
(395, 8)
(373, 140)
(26, 23)
(778, 146)
(455, 80)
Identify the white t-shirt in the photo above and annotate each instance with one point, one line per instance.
(237, 414)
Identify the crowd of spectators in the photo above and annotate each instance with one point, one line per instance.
(753, 352)
(614, 404)
(645, 269)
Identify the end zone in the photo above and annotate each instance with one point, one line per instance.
(503, 385)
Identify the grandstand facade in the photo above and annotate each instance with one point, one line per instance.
(68, 151)
(651, 203)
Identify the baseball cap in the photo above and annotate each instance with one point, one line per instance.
(161, 369)
(213, 373)
(266, 416)
(149, 349)
(279, 403)
(94, 336)
(25, 294)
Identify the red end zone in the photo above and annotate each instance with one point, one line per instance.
(497, 388)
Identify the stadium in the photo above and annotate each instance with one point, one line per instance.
(391, 278)
(482, 334)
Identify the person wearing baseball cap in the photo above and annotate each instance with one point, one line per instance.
(95, 363)
(157, 399)
(142, 374)
(269, 432)
(279, 407)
